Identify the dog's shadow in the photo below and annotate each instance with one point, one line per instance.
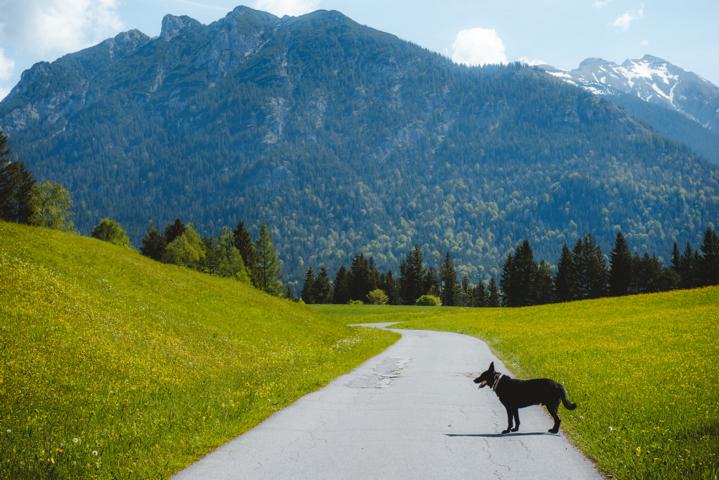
(501, 435)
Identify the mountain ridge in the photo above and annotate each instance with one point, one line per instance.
(347, 139)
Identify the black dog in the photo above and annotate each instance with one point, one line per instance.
(516, 394)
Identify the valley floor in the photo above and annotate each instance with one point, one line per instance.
(410, 412)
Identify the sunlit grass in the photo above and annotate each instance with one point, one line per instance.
(644, 370)
(115, 366)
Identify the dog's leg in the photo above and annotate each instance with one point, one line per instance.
(553, 407)
(516, 420)
(509, 420)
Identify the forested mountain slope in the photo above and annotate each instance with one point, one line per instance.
(347, 139)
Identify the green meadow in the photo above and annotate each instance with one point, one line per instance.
(116, 366)
(643, 369)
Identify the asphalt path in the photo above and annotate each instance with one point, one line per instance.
(411, 412)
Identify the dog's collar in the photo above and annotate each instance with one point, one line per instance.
(496, 382)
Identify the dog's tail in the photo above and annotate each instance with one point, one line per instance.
(567, 404)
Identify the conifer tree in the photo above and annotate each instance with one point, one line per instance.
(688, 267)
(412, 276)
(432, 282)
(321, 288)
(464, 296)
(493, 296)
(360, 278)
(341, 292)
(391, 288)
(565, 280)
(306, 294)
(709, 264)
(267, 266)
(448, 279)
(243, 242)
(153, 244)
(173, 231)
(542, 285)
(16, 185)
(620, 271)
(479, 296)
(591, 268)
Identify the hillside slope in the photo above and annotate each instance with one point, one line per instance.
(115, 366)
(347, 139)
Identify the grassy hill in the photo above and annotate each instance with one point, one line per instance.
(643, 370)
(116, 366)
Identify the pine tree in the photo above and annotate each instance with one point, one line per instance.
(479, 296)
(518, 276)
(448, 279)
(620, 271)
(341, 293)
(306, 294)
(565, 281)
(432, 282)
(153, 244)
(591, 268)
(687, 268)
(243, 242)
(543, 285)
(173, 231)
(493, 297)
(709, 263)
(464, 297)
(360, 278)
(412, 276)
(391, 288)
(16, 185)
(267, 266)
(321, 288)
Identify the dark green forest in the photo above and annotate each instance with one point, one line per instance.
(345, 139)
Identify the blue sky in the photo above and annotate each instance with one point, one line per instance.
(558, 32)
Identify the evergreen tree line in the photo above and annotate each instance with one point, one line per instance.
(583, 272)
(233, 254)
(417, 284)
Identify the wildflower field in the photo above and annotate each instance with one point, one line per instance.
(643, 369)
(116, 366)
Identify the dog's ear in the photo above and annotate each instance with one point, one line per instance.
(491, 367)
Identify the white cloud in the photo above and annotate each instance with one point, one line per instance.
(601, 3)
(53, 27)
(624, 21)
(644, 43)
(3, 93)
(287, 7)
(532, 61)
(7, 66)
(478, 46)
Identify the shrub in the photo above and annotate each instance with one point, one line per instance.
(429, 301)
(355, 302)
(111, 231)
(377, 297)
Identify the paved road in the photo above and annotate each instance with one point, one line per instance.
(411, 412)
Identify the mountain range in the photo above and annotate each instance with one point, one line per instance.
(650, 86)
(345, 139)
